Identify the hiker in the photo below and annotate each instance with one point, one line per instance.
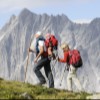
(52, 43)
(71, 69)
(44, 61)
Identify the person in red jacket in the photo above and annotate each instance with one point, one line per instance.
(72, 70)
(65, 48)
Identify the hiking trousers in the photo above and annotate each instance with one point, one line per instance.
(44, 62)
(73, 77)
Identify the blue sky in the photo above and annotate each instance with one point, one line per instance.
(75, 10)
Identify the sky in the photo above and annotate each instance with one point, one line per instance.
(80, 11)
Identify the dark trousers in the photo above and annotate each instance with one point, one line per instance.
(44, 61)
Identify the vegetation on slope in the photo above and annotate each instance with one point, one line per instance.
(20, 90)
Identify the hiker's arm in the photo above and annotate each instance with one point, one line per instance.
(41, 50)
(40, 53)
(64, 60)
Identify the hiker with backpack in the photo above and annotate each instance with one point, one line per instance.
(72, 67)
(41, 51)
(52, 43)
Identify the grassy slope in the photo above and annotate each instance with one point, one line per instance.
(15, 90)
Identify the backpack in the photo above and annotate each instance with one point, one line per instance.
(53, 42)
(75, 58)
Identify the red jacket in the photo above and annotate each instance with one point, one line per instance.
(66, 57)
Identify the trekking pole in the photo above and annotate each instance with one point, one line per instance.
(54, 64)
(26, 65)
(52, 68)
(27, 59)
(63, 75)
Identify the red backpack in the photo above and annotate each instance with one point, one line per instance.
(53, 41)
(75, 58)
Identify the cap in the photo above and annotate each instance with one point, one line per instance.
(64, 45)
(39, 33)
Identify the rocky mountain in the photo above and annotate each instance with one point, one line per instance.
(15, 38)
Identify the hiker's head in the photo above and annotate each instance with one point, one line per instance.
(48, 35)
(38, 34)
(65, 47)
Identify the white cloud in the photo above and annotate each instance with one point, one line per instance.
(9, 5)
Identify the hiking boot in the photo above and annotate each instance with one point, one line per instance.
(41, 83)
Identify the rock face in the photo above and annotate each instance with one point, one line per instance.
(15, 39)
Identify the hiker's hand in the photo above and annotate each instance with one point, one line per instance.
(35, 60)
(67, 68)
(29, 50)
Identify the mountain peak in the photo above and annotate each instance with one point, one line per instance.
(25, 10)
(25, 15)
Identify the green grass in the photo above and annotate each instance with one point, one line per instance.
(14, 90)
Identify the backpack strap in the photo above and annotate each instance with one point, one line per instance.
(38, 39)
